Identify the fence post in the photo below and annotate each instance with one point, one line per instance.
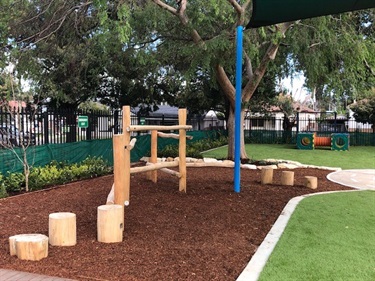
(45, 127)
(297, 122)
(88, 129)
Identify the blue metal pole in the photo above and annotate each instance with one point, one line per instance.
(237, 112)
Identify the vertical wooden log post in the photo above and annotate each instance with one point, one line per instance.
(118, 169)
(311, 182)
(154, 155)
(62, 229)
(110, 223)
(182, 149)
(287, 178)
(121, 157)
(266, 175)
(126, 122)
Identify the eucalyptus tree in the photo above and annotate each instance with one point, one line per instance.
(336, 55)
(192, 36)
(364, 109)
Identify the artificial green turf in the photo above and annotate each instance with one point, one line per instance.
(357, 157)
(329, 237)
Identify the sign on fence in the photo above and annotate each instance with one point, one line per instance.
(83, 121)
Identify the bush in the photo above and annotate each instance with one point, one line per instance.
(14, 182)
(194, 149)
(56, 173)
(3, 191)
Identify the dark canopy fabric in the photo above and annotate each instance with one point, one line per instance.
(268, 12)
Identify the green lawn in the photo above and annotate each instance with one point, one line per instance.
(329, 237)
(358, 157)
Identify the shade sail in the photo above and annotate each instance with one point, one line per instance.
(268, 12)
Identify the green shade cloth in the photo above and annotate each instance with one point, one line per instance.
(268, 12)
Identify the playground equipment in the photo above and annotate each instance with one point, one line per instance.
(62, 230)
(337, 141)
(32, 247)
(122, 146)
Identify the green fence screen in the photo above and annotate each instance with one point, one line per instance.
(78, 151)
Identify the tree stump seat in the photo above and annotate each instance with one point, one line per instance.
(32, 247)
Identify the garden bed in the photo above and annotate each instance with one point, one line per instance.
(209, 233)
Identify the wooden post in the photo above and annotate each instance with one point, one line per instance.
(311, 182)
(33, 247)
(266, 175)
(182, 149)
(154, 155)
(62, 229)
(126, 122)
(110, 223)
(287, 178)
(118, 169)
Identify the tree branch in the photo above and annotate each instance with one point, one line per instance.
(261, 69)
(52, 22)
(236, 6)
(225, 84)
(249, 67)
(166, 7)
(372, 71)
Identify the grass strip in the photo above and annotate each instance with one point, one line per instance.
(358, 157)
(329, 237)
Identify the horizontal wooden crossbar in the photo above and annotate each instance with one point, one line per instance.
(153, 167)
(158, 128)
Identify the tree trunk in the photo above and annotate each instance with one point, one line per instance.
(231, 133)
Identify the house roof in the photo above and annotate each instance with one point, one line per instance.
(297, 106)
(16, 104)
(165, 110)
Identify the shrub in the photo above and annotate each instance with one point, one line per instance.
(57, 173)
(194, 149)
(14, 182)
(3, 191)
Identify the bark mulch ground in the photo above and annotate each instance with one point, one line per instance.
(209, 233)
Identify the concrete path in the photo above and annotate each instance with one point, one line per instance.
(359, 179)
(12, 275)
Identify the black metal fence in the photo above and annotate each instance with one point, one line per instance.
(43, 126)
(284, 130)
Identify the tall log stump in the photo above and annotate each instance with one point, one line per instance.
(110, 223)
(287, 178)
(311, 182)
(62, 229)
(32, 247)
(266, 175)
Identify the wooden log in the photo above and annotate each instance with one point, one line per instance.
(32, 247)
(311, 182)
(287, 178)
(131, 145)
(173, 136)
(118, 169)
(153, 175)
(266, 176)
(158, 128)
(171, 172)
(62, 229)
(228, 164)
(152, 167)
(110, 223)
(111, 196)
(126, 168)
(182, 149)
